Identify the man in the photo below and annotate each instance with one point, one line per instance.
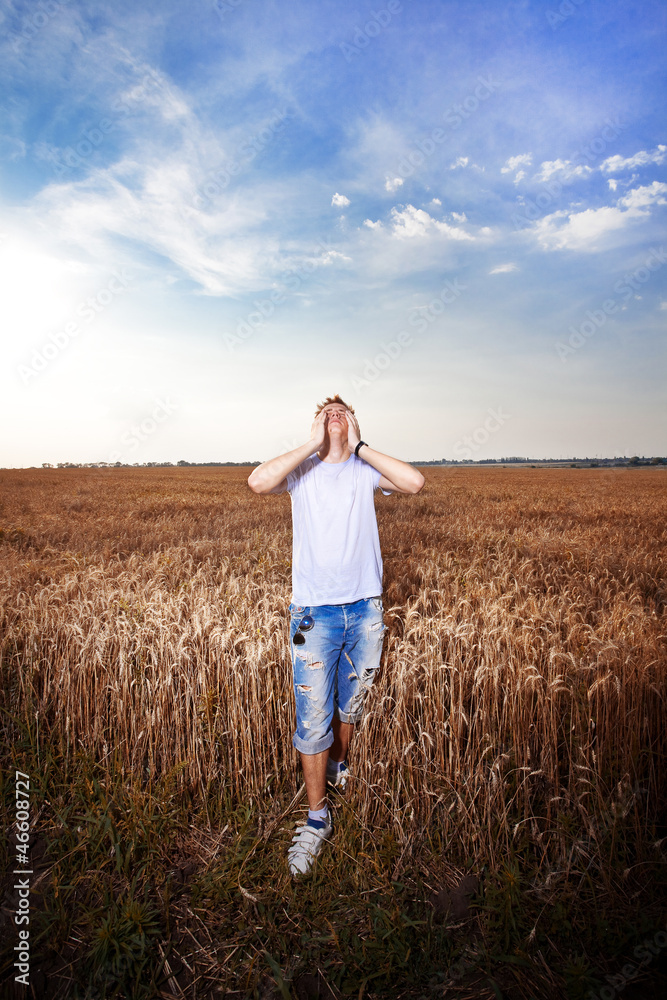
(336, 628)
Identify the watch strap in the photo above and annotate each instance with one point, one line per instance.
(356, 450)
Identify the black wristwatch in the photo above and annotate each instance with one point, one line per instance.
(356, 450)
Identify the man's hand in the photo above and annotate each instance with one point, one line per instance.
(318, 431)
(271, 476)
(353, 432)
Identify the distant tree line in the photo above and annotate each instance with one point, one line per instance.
(573, 462)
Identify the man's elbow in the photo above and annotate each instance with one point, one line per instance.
(255, 483)
(417, 484)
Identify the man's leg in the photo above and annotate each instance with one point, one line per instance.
(315, 776)
(314, 664)
(342, 735)
(358, 664)
(310, 836)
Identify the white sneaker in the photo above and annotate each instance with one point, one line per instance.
(338, 779)
(307, 843)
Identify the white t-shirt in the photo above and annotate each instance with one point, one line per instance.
(336, 549)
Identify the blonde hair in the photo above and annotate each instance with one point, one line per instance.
(333, 399)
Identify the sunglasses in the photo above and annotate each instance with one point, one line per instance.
(305, 625)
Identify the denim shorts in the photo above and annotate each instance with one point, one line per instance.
(334, 668)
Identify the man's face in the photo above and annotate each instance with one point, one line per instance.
(335, 419)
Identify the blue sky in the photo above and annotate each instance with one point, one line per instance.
(213, 215)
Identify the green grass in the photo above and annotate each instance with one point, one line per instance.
(144, 889)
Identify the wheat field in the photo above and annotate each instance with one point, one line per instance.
(520, 705)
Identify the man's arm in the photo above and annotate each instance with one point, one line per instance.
(271, 476)
(401, 477)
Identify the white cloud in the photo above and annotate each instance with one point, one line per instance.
(550, 167)
(340, 201)
(412, 222)
(614, 164)
(642, 197)
(462, 161)
(504, 269)
(582, 231)
(435, 201)
(221, 248)
(522, 160)
(169, 198)
(393, 185)
(663, 306)
(150, 199)
(515, 162)
(372, 225)
(459, 216)
(565, 168)
(612, 184)
(332, 256)
(586, 230)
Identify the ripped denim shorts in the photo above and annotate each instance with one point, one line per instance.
(334, 662)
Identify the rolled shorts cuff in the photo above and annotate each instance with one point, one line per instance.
(313, 746)
(351, 719)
